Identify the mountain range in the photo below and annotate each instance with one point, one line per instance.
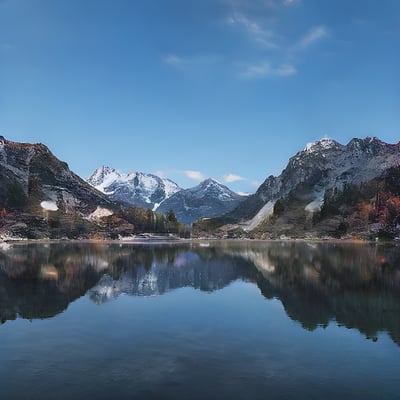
(208, 199)
(41, 197)
(327, 189)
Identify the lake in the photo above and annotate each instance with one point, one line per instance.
(200, 320)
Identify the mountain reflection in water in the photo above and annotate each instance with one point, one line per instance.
(358, 286)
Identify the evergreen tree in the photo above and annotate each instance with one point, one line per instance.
(279, 207)
(171, 217)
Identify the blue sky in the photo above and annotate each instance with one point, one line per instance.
(228, 89)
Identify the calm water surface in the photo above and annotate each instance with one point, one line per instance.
(200, 321)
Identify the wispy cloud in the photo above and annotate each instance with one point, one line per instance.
(313, 35)
(174, 61)
(196, 64)
(195, 175)
(278, 54)
(260, 21)
(262, 4)
(289, 3)
(256, 32)
(251, 26)
(229, 178)
(265, 70)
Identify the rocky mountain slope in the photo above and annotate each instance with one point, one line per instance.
(208, 199)
(291, 202)
(135, 188)
(38, 190)
(32, 178)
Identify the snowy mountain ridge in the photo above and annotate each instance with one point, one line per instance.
(135, 188)
(208, 199)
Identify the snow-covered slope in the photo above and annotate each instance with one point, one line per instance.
(135, 188)
(208, 199)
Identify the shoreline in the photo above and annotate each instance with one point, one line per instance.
(8, 242)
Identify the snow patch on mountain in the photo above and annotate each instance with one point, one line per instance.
(49, 205)
(315, 205)
(266, 211)
(100, 212)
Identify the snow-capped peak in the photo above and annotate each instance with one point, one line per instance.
(100, 175)
(103, 177)
(213, 185)
(324, 143)
(136, 188)
(210, 182)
